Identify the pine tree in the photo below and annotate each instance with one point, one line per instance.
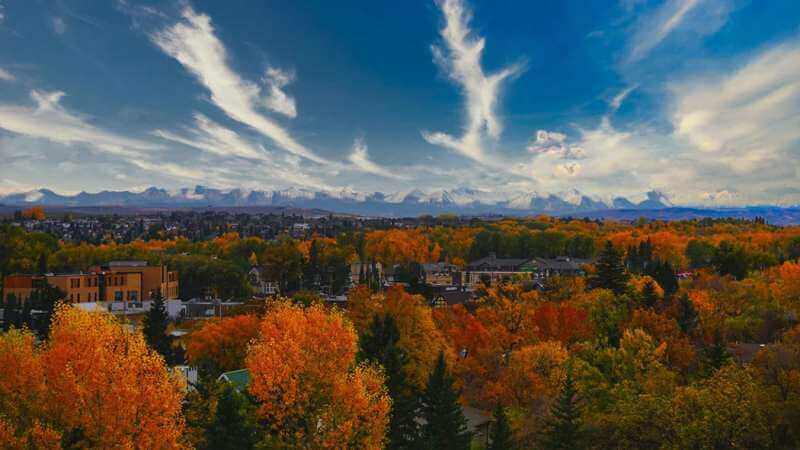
(379, 345)
(500, 436)
(687, 315)
(445, 426)
(231, 427)
(649, 297)
(155, 328)
(611, 272)
(564, 426)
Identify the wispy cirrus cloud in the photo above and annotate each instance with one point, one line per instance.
(359, 157)
(460, 58)
(194, 44)
(212, 137)
(6, 75)
(699, 16)
(276, 99)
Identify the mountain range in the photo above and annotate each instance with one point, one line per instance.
(415, 202)
(462, 201)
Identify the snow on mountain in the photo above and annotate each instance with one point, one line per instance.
(462, 200)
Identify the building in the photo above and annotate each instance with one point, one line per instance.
(364, 271)
(492, 270)
(119, 281)
(439, 274)
(562, 266)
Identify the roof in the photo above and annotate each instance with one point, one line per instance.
(493, 262)
(240, 379)
(127, 264)
(437, 267)
(560, 263)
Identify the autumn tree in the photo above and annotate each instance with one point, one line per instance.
(310, 391)
(93, 384)
(445, 427)
(220, 345)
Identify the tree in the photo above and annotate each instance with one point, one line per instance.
(500, 437)
(611, 272)
(93, 384)
(649, 296)
(220, 344)
(445, 426)
(310, 390)
(563, 431)
(231, 428)
(731, 259)
(154, 327)
(686, 314)
(380, 345)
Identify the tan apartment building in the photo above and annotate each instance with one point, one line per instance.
(128, 281)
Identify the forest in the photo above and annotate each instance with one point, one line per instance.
(680, 335)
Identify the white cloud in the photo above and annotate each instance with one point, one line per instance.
(748, 119)
(276, 99)
(360, 159)
(49, 120)
(698, 16)
(554, 143)
(6, 75)
(214, 138)
(192, 42)
(461, 60)
(59, 25)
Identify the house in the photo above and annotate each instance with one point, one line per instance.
(362, 272)
(261, 287)
(239, 379)
(451, 297)
(562, 266)
(492, 270)
(439, 274)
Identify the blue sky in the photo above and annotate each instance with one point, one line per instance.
(699, 99)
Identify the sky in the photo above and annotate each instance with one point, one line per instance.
(698, 99)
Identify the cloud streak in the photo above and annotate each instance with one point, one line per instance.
(360, 160)
(460, 58)
(193, 43)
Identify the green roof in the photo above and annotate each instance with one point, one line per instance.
(240, 379)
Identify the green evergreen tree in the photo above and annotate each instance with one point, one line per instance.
(563, 430)
(380, 345)
(687, 315)
(445, 426)
(649, 297)
(154, 328)
(231, 427)
(611, 272)
(500, 437)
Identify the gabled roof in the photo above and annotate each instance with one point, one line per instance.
(495, 262)
(240, 379)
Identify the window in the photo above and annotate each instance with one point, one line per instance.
(117, 296)
(133, 296)
(79, 296)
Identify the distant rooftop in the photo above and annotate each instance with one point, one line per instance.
(131, 263)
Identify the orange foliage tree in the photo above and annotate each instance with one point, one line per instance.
(398, 246)
(220, 345)
(311, 392)
(94, 384)
(420, 338)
